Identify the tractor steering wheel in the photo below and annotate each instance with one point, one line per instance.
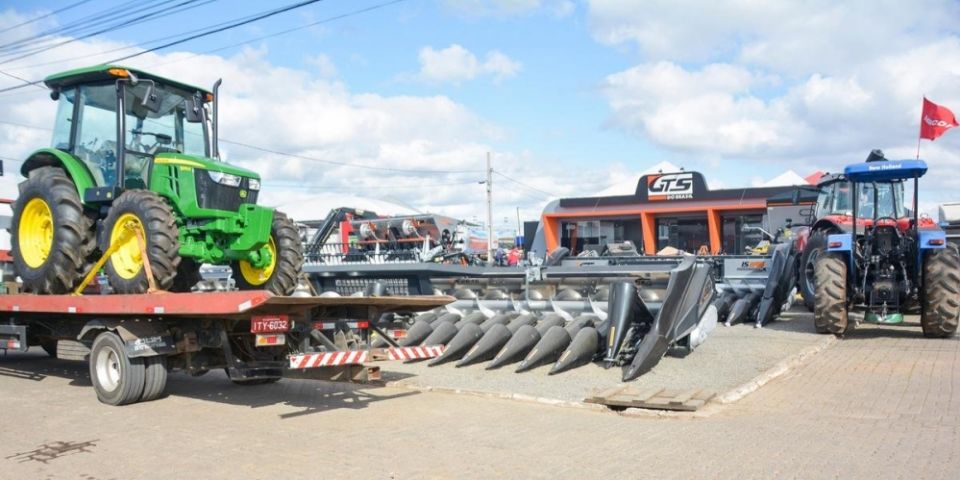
(160, 139)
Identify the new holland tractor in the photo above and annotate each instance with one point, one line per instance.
(134, 168)
(880, 258)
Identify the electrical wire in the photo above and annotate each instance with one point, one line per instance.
(47, 15)
(518, 182)
(186, 4)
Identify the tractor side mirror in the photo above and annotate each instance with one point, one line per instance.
(194, 111)
(151, 101)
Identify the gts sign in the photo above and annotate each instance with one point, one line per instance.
(671, 186)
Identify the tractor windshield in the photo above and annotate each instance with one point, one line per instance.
(160, 125)
(874, 199)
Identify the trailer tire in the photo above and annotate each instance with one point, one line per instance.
(830, 311)
(117, 378)
(941, 296)
(151, 214)
(155, 378)
(58, 236)
(282, 275)
(815, 246)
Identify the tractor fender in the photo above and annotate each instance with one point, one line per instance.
(842, 242)
(140, 338)
(52, 157)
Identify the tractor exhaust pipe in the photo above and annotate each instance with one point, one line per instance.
(215, 141)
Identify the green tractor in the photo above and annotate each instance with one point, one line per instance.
(134, 167)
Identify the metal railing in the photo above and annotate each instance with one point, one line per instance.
(336, 254)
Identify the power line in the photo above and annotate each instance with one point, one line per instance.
(41, 17)
(24, 80)
(293, 155)
(289, 30)
(345, 164)
(221, 29)
(518, 182)
(186, 4)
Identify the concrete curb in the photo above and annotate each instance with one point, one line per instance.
(780, 368)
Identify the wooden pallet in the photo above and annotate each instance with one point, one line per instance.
(653, 398)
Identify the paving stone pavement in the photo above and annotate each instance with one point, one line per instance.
(882, 403)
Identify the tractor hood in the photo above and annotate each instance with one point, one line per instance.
(202, 163)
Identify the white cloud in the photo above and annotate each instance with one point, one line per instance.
(456, 64)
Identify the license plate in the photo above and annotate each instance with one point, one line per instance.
(270, 339)
(269, 324)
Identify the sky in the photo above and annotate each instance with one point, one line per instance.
(394, 105)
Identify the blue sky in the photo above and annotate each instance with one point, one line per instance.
(582, 96)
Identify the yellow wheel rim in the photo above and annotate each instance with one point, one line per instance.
(126, 260)
(35, 233)
(259, 276)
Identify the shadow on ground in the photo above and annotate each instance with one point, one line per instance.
(308, 396)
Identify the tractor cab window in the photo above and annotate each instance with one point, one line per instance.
(834, 199)
(64, 121)
(878, 200)
(96, 132)
(156, 122)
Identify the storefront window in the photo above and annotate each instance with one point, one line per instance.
(739, 233)
(686, 234)
(595, 234)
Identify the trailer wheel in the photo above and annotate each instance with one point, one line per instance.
(941, 296)
(280, 276)
(830, 310)
(816, 244)
(146, 212)
(51, 237)
(155, 378)
(117, 378)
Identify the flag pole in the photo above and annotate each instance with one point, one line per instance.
(920, 132)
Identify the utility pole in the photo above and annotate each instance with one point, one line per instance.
(489, 211)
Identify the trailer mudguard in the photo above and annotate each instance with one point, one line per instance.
(140, 338)
(689, 293)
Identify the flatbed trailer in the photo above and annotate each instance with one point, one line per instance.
(131, 342)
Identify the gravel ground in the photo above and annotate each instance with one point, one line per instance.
(730, 357)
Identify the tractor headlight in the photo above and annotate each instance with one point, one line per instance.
(253, 184)
(224, 178)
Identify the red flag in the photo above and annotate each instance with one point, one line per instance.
(935, 120)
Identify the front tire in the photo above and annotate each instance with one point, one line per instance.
(51, 238)
(830, 310)
(147, 212)
(117, 378)
(280, 276)
(941, 297)
(815, 246)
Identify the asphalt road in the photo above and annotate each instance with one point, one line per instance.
(882, 403)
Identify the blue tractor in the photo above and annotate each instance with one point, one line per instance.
(886, 261)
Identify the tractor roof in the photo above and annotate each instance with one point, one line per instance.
(885, 171)
(99, 73)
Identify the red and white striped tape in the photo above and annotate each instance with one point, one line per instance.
(414, 353)
(329, 359)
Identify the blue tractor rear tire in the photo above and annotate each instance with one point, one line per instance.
(941, 293)
(830, 309)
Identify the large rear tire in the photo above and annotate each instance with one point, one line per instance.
(816, 244)
(147, 212)
(941, 296)
(51, 237)
(117, 378)
(281, 275)
(830, 309)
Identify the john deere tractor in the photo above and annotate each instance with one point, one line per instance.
(134, 167)
(880, 258)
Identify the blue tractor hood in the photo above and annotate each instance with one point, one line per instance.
(885, 171)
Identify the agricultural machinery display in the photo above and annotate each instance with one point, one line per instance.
(873, 253)
(134, 177)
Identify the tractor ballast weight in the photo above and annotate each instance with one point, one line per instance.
(886, 262)
(136, 151)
